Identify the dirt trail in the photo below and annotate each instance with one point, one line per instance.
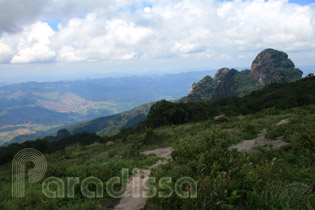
(129, 202)
(284, 121)
(250, 146)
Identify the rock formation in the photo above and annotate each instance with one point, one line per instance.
(272, 66)
(269, 66)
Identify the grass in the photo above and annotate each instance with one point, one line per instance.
(226, 179)
(234, 180)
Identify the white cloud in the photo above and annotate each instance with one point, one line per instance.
(69, 54)
(35, 53)
(33, 44)
(126, 33)
(184, 47)
(125, 29)
(95, 38)
(147, 9)
(273, 23)
(5, 53)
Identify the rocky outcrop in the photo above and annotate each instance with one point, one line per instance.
(272, 66)
(205, 83)
(221, 118)
(269, 66)
(250, 146)
(200, 90)
(224, 80)
(209, 89)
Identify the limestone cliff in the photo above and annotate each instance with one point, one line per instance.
(269, 66)
(272, 66)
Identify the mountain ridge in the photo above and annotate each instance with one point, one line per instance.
(34, 109)
(269, 66)
(226, 82)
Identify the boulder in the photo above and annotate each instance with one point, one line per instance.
(110, 143)
(220, 118)
(298, 184)
(188, 128)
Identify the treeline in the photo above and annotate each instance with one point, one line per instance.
(277, 95)
(48, 146)
(164, 113)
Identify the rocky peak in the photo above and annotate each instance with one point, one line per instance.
(202, 83)
(271, 66)
(225, 83)
(220, 75)
(208, 88)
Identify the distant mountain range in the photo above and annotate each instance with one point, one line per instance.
(33, 109)
(40, 109)
(270, 66)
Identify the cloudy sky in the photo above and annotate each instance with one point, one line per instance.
(65, 37)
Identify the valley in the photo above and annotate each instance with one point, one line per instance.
(260, 155)
(32, 110)
(157, 105)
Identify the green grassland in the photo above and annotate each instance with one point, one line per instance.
(226, 179)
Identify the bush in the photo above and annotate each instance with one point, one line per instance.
(151, 138)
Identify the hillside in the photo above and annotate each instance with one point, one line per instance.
(277, 95)
(112, 124)
(269, 178)
(79, 101)
(269, 66)
(102, 126)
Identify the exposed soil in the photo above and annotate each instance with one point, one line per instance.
(130, 202)
(284, 121)
(250, 146)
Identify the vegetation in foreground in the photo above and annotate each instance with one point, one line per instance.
(267, 179)
(282, 179)
(226, 179)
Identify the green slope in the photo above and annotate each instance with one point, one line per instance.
(277, 95)
(112, 124)
(226, 179)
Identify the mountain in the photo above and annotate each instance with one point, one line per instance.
(203, 160)
(114, 123)
(102, 126)
(272, 66)
(31, 110)
(269, 66)
(274, 96)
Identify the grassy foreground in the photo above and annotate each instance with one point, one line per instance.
(282, 179)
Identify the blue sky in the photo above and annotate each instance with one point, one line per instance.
(302, 2)
(105, 37)
(53, 23)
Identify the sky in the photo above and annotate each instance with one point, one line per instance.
(61, 39)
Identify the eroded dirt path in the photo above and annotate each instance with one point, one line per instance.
(250, 146)
(130, 202)
(284, 121)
